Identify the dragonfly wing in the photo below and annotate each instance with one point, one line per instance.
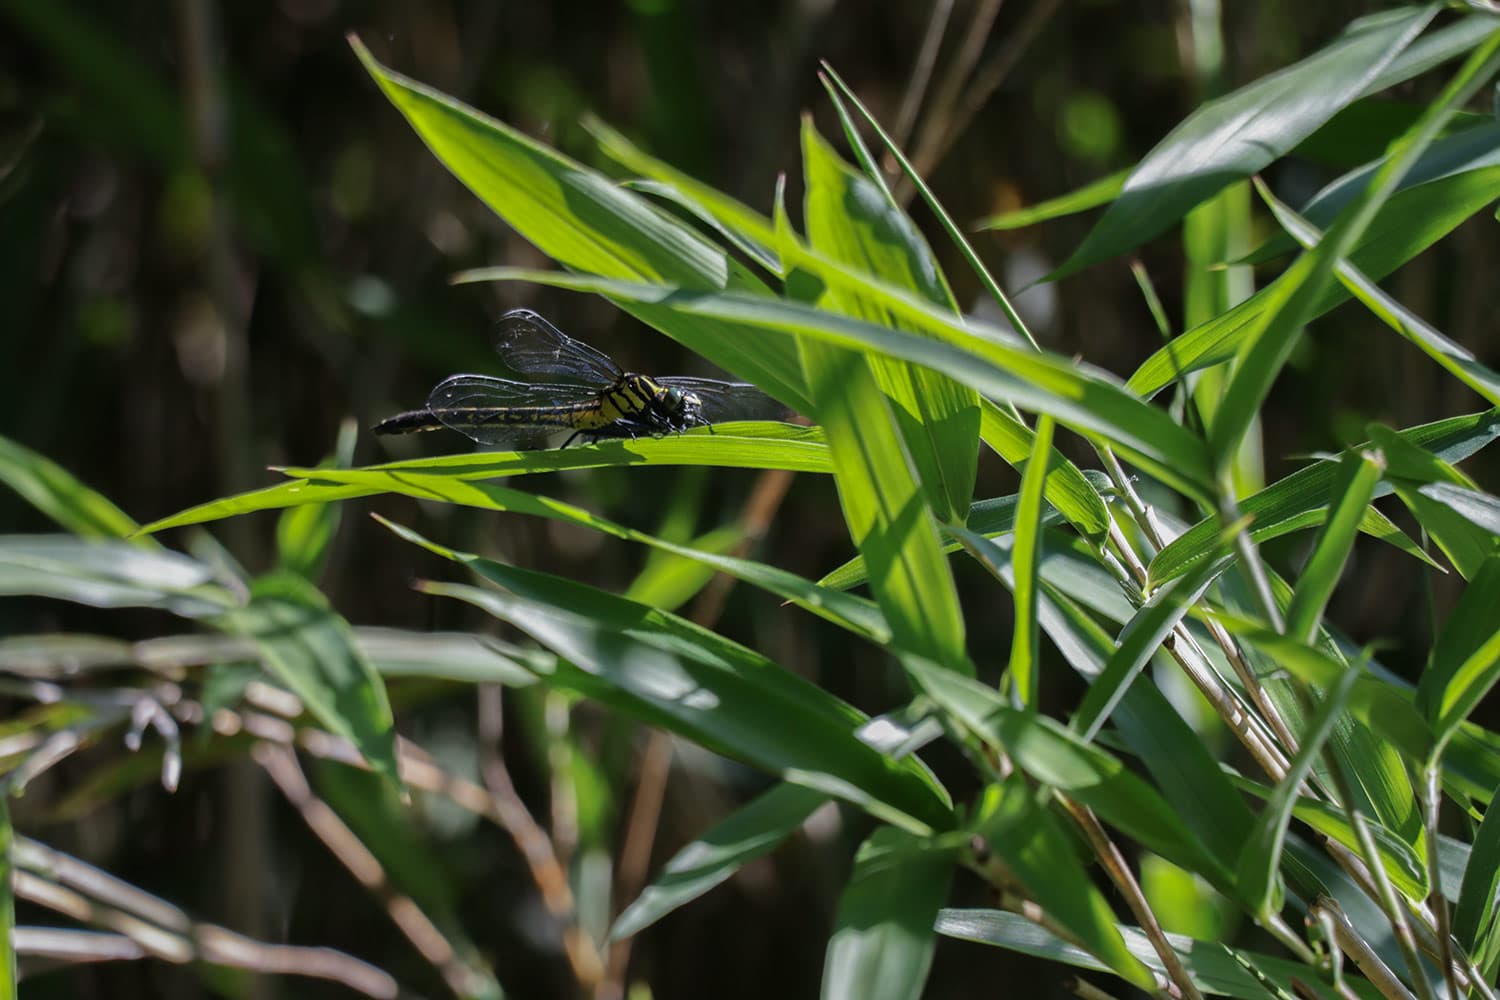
(530, 346)
(723, 401)
(492, 410)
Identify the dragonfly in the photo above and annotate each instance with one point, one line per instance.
(554, 383)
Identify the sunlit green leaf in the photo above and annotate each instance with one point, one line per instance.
(749, 446)
(1300, 500)
(883, 939)
(1236, 135)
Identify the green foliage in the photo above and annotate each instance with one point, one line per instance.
(1153, 558)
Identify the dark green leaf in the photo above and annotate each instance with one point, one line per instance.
(1474, 921)
(311, 650)
(1352, 492)
(666, 671)
(1411, 222)
(882, 940)
(1466, 657)
(1214, 967)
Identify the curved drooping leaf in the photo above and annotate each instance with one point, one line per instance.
(108, 573)
(1214, 968)
(1230, 138)
(664, 670)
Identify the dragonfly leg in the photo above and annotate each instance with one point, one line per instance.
(572, 437)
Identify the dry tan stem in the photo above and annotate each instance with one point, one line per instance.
(1120, 874)
(280, 763)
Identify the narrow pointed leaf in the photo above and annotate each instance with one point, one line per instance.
(1352, 492)
(1300, 290)
(750, 832)
(1139, 640)
(1474, 922)
(1036, 853)
(1456, 359)
(1059, 758)
(1411, 470)
(1260, 860)
(1411, 222)
(1024, 659)
(1466, 657)
(1091, 195)
(852, 221)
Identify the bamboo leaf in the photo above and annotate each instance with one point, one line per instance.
(883, 939)
(1230, 138)
(312, 650)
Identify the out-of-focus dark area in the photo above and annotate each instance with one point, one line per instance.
(218, 241)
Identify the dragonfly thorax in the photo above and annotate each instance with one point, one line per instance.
(641, 400)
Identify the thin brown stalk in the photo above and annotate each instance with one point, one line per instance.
(1124, 879)
(940, 113)
(977, 93)
(536, 848)
(921, 76)
(280, 763)
(143, 925)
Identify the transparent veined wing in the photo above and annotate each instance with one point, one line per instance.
(506, 414)
(531, 346)
(725, 401)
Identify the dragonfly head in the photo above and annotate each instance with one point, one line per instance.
(682, 404)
